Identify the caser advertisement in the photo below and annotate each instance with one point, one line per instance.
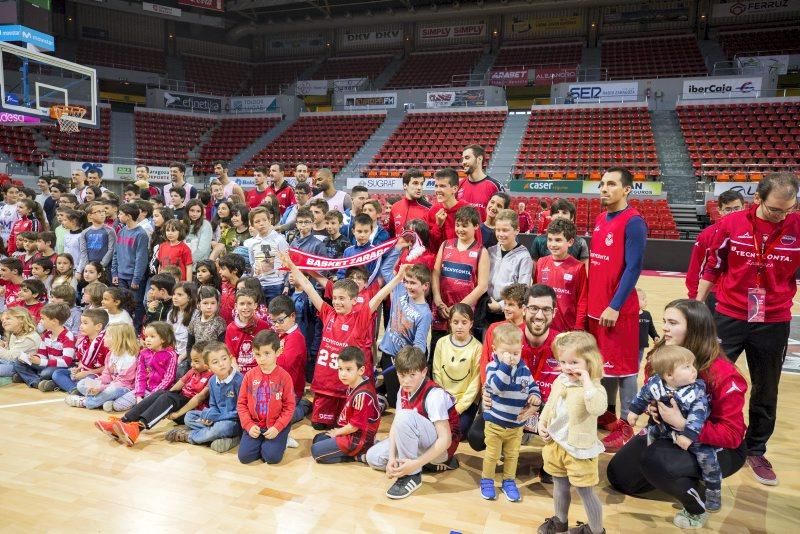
(700, 88)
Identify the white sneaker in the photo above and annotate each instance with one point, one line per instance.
(291, 443)
(108, 406)
(76, 401)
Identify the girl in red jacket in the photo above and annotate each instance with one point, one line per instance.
(637, 468)
(243, 329)
(28, 222)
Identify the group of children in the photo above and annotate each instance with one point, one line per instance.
(221, 332)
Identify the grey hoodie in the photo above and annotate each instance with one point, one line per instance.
(516, 267)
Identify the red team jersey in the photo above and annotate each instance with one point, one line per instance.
(405, 210)
(459, 275)
(338, 332)
(285, 195)
(254, 197)
(293, 358)
(478, 193)
(697, 261)
(568, 280)
(416, 402)
(363, 412)
(239, 340)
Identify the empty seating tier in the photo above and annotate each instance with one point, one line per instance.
(580, 142)
(218, 77)
(429, 69)
(268, 77)
(742, 142)
(353, 67)
(320, 140)
(231, 137)
(431, 141)
(772, 41)
(553, 55)
(652, 57)
(121, 56)
(18, 142)
(162, 137)
(91, 144)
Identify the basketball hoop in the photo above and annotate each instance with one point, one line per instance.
(67, 117)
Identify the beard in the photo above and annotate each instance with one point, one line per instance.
(537, 328)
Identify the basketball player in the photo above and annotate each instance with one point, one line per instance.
(177, 171)
(337, 200)
(254, 197)
(280, 187)
(412, 206)
(615, 263)
(753, 257)
(229, 187)
(477, 188)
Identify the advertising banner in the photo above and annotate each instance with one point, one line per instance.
(310, 262)
(546, 186)
(509, 77)
(213, 5)
(363, 38)
(646, 15)
(312, 87)
(348, 84)
(161, 10)
(600, 91)
(456, 98)
(640, 189)
(551, 75)
(371, 101)
(779, 63)
(158, 175)
(748, 189)
(386, 184)
(189, 102)
(453, 31)
(726, 9)
(254, 104)
(700, 88)
(23, 34)
(9, 119)
(300, 43)
(524, 25)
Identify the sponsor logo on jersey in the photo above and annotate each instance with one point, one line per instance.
(609, 239)
(788, 240)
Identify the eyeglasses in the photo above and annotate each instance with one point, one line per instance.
(279, 320)
(547, 310)
(732, 209)
(776, 211)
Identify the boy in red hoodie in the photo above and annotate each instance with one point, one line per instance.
(243, 329)
(266, 404)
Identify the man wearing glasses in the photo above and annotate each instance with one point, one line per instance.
(753, 258)
(729, 201)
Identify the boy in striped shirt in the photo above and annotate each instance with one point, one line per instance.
(57, 350)
(510, 383)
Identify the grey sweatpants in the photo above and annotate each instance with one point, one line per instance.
(414, 435)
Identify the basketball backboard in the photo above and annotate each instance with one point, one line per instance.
(31, 82)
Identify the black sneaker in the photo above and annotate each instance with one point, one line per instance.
(46, 386)
(404, 486)
(383, 403)
(449, 465)
(16, 379)
(545, 477)
(552, 525)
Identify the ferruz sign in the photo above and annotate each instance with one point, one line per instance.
(510, 77)
(723, 10)
(600, 92)
(727, 87)
(192, 102)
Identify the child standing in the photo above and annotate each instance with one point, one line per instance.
(510, 384)
(90, 356)
(98, 241)
(231, 269)
(218, 424)
(675, 377)
(456, 362)
(263, 249)
(266, 404)
(646, 326)
(292, 357)
(242, 330)
(566, 275)
(207, 326)
(184, 309)
(174, 251)
(119, 374)
(129, 264)
(42, 270)
(198, 231)
(27, 222)
(21, 338)
(568, 425)
(56, 351)
(27, 251)
(358, 423)
(74, 221)
(335, 243)
(117, 302)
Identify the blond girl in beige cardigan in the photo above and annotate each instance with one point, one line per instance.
(568, 426)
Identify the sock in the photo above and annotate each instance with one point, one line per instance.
(594, 509)
(561, 497)
(611, 384)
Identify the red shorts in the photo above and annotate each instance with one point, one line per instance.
(618, 345)
(327, 409)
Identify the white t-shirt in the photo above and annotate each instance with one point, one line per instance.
(437, 404)
(8, 216)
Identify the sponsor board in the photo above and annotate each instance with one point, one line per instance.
(509, 77)
(161, 10)
(189, 102)
(597, 92)
(386, 184)
(640, 189)
(551, 75)
(700, 88)
(23, 34)
(456, 98)
(158, 175)
(245, 182)
(724, 10)
(253, 104)
(779, 63)
(646, 15)
(370, 101)
(358, 38)
(312, 87)
(545, 186)
(348, 84)
(453, 31)
(522, 25)
(748, 189)
(9, 119)
(213, 5)
(300, 43)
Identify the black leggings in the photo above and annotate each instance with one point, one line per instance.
(637, 469)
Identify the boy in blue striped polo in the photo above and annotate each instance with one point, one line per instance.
(510, 384)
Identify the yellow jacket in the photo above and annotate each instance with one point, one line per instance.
(456, 369)
(583, 410)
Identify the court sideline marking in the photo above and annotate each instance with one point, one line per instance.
(30, 403)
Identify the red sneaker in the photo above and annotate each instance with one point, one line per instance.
(107, 428)
(128, 432)
(762, 470)
(618, 437)
(607, 421)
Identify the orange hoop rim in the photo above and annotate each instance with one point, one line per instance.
(61, 109)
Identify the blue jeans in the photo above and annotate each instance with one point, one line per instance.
(260, 448)
(6, 367)
(325, 450)
(64, 380)
(466, 418)
(270, 292)
(33, 374)
(111, 393)
(138, 299)
(206, 434)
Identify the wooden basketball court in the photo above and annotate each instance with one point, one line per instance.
(57, 473)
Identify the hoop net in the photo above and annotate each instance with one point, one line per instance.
(66, 117)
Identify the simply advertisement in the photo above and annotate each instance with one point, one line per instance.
(604, 92)
(697, 89)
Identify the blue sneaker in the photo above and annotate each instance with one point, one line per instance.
(510, 489)
(487, 489)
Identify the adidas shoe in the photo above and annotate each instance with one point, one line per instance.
(404, 486)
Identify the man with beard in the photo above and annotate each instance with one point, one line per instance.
(177, 170)
(229, 187)
(301, 175)
(254, 197)
(337, 200)
(477, 188)
(616, 255)
(94, 177)
(411, 206)
(280, 187)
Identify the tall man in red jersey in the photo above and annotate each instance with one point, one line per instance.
(411, 206)
(615, 263)
(753, 257)
(730, 201)
(477, 188)
(441, 217)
